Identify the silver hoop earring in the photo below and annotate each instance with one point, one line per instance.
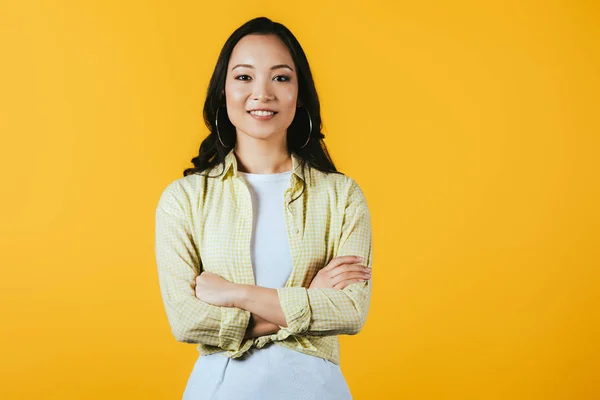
(217, 126)
(309, 129)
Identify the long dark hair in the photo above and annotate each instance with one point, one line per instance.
(212, 152)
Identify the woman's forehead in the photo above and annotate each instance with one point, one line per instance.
(260, 51)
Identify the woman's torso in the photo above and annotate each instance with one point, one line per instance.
(273, 371)
(222, 221)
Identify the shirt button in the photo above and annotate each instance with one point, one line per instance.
(297, 231)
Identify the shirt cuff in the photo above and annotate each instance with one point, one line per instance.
(296, 309)
(243, 348)
(234, 322)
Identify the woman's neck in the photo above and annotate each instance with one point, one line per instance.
(268, 160)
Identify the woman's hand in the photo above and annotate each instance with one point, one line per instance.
(212, 289)
(341, 272)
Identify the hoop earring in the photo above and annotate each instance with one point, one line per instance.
(309, 129)
(217, 126)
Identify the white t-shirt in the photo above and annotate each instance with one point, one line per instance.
(273, 372)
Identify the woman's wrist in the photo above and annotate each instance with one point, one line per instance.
(240, 295)
(258, 300)
(260, 327)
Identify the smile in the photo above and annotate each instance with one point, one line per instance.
(262, 115)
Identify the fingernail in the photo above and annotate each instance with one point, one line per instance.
(359, 258)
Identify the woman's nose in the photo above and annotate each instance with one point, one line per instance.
(262, 92)
(263, 97)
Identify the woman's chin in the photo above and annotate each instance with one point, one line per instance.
(259, 134)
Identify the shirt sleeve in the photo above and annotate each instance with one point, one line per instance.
(325, 312)
(178, 261)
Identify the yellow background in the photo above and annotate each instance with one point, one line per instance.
(472, 128)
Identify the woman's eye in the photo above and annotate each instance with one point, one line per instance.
(285, 78)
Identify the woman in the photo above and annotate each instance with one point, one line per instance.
(264, 248)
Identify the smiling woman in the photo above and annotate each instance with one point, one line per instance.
(264, 248)
(261, 72)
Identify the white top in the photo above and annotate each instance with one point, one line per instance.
(273, 372)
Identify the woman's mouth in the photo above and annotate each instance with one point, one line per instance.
(262, 115)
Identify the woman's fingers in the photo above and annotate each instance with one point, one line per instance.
(347, 268)
(349, 276)
(345, 283)
(341, 269)
(336, 262)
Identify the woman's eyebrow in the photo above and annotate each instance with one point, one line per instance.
(272, 68)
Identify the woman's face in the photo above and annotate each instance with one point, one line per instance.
(261, 75)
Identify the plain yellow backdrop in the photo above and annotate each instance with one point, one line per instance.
(472, 127)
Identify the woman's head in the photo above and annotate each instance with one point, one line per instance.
(262, 66)
(261, 74)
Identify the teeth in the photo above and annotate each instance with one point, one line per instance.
(261, 113)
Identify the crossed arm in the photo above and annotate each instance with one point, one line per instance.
(267, 315)
(252, 311)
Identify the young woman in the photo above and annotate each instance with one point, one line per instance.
(264, 248)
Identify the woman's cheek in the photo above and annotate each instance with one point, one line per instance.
(236, 97)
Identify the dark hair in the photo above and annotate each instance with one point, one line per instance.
(212, 152)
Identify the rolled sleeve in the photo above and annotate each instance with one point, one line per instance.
(232, 327)
(296, 309)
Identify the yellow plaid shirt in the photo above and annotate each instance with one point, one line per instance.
(204, 223)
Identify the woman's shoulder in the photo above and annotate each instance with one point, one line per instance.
(339, 182)
(340, 188)
(185, 190)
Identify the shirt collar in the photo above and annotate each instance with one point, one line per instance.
(231, 165)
